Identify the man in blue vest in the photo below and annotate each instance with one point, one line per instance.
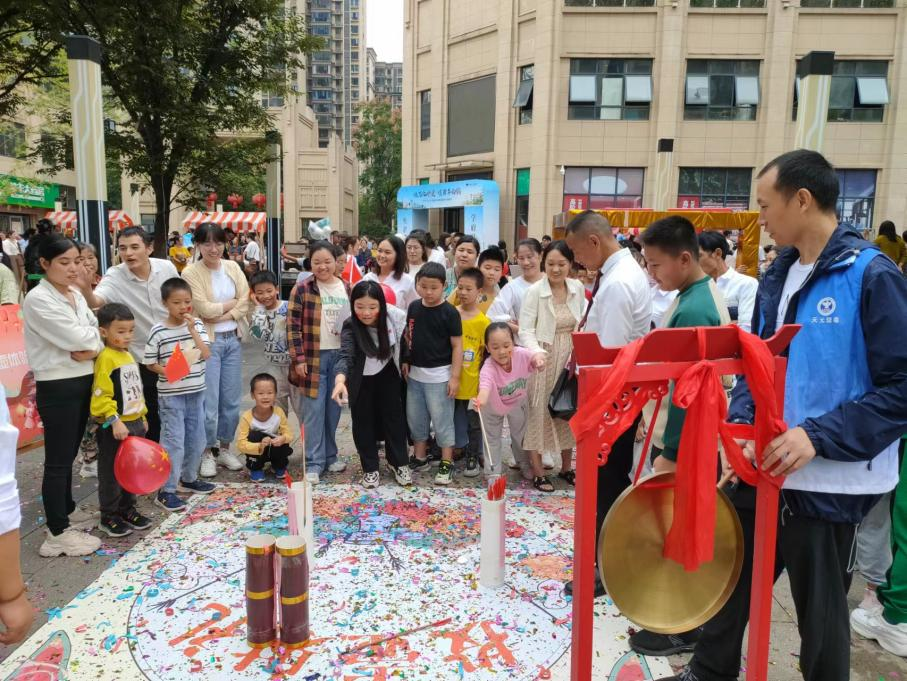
(846, 407)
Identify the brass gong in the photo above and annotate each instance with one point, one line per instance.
(650, 590)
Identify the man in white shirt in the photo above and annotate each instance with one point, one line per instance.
(17, 264)
(252, 255)
(136, 283)
(739, 290)
(621, 312)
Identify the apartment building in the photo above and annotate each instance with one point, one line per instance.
(389, 82)
(565, 102)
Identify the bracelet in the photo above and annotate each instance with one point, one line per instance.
(17, 596)
(110, 421)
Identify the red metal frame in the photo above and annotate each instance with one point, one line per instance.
(665, 355)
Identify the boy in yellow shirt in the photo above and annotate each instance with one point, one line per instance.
(264, 433)
(466, 422)
(118, 404)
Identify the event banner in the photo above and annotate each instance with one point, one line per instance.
(17, 377)
(479, 199)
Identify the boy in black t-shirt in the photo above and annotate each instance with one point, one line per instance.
(432, 359)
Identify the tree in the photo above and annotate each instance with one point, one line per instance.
(379, 145)
(182, 73)
(27, 56)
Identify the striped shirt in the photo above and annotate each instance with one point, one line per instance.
(161, 342)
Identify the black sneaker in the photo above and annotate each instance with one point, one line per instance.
(649, 643)
(472, 467)
(136, 520)
(599, 588)
(417, 464)
(114, 527)
(196, 487)
(434, 452)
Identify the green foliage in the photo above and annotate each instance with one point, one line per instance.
(181, 73)
(27, 57)
(379, 145)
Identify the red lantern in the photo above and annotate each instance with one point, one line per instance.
(141, 466)
(211, 199)
(234, 200)
(259, 200)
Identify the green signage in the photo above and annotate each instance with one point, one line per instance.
(17, 191)
(522, 182)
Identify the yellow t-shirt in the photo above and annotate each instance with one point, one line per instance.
(181, 251)
(484, 303)
(473, 342)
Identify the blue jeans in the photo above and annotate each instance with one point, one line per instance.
(427, 404)
(223, 389)
(320, 416)
(182, 435)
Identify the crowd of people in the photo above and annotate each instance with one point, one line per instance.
(433, 347)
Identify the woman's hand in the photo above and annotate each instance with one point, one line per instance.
(538, 361)
(83, 355)
(17, 616)
(301, 370)
(340, 395)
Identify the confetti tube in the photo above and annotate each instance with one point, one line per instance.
(260, 629)
(294, 591)
(491, 544)
(303, 523)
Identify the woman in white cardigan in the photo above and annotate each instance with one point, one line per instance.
(62, 340)
(550, 313)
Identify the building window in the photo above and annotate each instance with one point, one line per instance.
(521, 228)
(856, 198)
(269, 100)
(470, 116)
(423, 180)
(609, 3)
(728, 4)
(596, 188)
(715, 188)
(355, 94)
(354, 42)
(321, 30)
(424, 114)
(12, 140)
(322, 56)
(523, 99)
(847, 3)
(610, 89)
(859, 92)
(147, 221)
(721, 90)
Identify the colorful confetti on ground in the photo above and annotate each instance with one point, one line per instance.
(386, 561)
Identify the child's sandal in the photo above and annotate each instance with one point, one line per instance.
(542, 484)
(568, 476)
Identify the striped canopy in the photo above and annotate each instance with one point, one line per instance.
(237, 221)
(68, 220)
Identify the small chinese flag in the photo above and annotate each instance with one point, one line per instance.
(351, 273)
(177, 367)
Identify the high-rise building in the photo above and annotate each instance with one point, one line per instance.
(565, 102)
(337, 76)
(371, 58)
(389, 82)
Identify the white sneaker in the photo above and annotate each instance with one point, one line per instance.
(870, 601)
(547, 461)
(84, 518)
(312, 478)
(337, 467)
(371, 480)
(70, 542)
(208, 469)
(404, 476)
(229, 460)
(89, 470)
(892, 637)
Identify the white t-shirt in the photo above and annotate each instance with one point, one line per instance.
(252, 252)
(509, 301)
(334, 302)
(373, 365)
(739, 291)
(796, 276)
(404, 288)
(11, 247)
(224, 289)
(271, 427)
(661, 302)
(437, 255)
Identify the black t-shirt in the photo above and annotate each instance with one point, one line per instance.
(428, 334)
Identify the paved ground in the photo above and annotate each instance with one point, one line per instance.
(54, 582)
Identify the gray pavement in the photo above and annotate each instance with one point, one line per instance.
(53, 582)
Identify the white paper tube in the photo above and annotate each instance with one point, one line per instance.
(491, 543)
(305, 517)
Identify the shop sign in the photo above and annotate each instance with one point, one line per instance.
(18, 191)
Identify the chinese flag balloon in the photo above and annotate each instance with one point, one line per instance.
(141, 466)
(389, 294)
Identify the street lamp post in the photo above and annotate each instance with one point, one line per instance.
(272, 205)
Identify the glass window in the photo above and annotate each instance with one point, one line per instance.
(609, 3)
(598, 188)
(859, 91)
(471, 116)
(610, 89)
(425, 114)
(857, 198)
(728, 4)
(12, 140)
(521, 228)
(523, 99)
(714, 188)
(847, 3)
(721, 90)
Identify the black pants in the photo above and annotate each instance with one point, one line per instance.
(63, 406)
(816, 554)
(149, 389)
(468, 429)
(278, 457)
(115, 501)
(614, 476)
(378, 411)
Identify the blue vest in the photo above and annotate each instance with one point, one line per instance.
(827, 365)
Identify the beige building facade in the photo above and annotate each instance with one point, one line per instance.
(566, 103)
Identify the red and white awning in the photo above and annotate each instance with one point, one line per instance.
(68, 220)
(237, 221)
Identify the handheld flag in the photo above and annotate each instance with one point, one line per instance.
(351, 273)
(177, 367)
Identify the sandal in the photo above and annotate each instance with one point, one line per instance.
(542, 484)
(568, 476)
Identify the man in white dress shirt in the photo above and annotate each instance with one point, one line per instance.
(621, 312)
(739, 290)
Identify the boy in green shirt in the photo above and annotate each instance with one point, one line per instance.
(672, 257)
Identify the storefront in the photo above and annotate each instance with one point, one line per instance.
(24, 201)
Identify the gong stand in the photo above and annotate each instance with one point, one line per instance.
(664, 355)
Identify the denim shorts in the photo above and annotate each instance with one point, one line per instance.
(428, 404)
